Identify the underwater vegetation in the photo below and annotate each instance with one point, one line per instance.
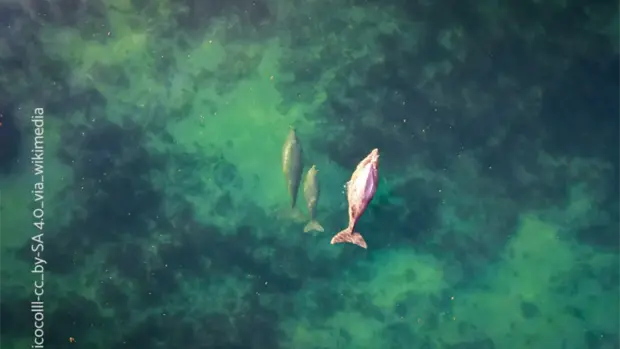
(168, 223)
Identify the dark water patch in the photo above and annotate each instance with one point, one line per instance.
(601, 340)
(73, 314)
(227, 252)
(580, 110)
(165, 328)
(258, 328)
(112, 295)
(580, 113)
(15, 321)
(422, 202)
(198, 15)
(130, 260)
(256, 13)
(9, 12)
(224, 205)
(465, 328)
(602, 235)
(113, 167)
(529, 310)
(90, 101)
(187, 254)
(122, 208)
(576, 313)
(398, 335)
(110, 75)
(10, 140)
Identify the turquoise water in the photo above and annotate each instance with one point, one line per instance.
(144, 205)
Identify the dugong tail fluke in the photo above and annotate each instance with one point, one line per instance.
(313, 225)
(348, 235)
